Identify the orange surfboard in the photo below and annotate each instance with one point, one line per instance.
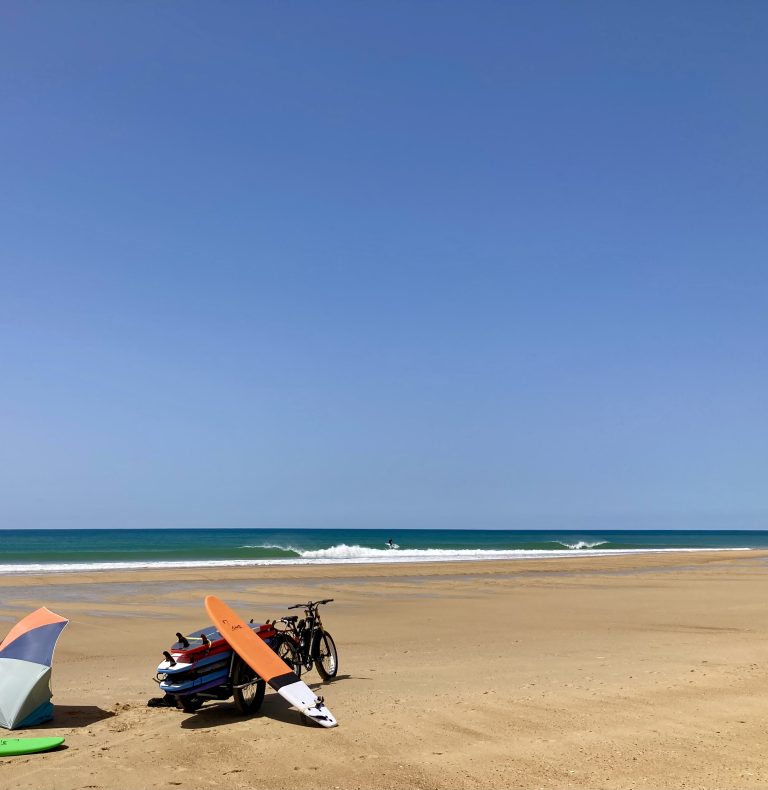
(262, 659)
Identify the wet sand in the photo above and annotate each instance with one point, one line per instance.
(639, 671)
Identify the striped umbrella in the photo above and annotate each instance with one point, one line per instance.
(25, 669)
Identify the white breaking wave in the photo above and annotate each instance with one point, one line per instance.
(271, 546)
(583, 544)
(341, 555)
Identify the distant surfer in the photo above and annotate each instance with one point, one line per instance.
(391, 543)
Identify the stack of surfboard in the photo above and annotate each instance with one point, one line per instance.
(201, 661)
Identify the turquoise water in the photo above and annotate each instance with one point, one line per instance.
(62, 550)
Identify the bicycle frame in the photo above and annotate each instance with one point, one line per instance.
(305, 633)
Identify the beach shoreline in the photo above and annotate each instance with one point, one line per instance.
(576, 561)
(639, 670)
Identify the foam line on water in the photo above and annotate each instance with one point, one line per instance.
(344, 555)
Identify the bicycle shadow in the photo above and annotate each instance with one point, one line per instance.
(331, 681)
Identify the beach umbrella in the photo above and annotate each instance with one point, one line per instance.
(25, 669)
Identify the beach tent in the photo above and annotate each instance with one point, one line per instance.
(25, 669)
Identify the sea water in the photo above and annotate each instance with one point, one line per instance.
(28, 551)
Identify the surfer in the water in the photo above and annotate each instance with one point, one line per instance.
(391, 543)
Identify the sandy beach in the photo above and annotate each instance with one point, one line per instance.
(640, 671)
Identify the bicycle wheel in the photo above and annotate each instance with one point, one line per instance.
(248, 699)
(325, 655)
(286, 648)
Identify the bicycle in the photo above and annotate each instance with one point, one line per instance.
(304, 643)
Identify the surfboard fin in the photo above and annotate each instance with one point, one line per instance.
(183, 641)
(320, 714)
(169, 658)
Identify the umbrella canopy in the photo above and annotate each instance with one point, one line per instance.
(26, 655)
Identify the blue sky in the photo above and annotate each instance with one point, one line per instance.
(383, 264)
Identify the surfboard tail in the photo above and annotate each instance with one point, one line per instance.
(321, 715)
(295, 691)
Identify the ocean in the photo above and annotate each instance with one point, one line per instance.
(34, 551)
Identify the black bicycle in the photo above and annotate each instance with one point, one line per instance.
(304, 643)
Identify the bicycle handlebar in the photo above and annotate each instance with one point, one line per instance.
(310, 604)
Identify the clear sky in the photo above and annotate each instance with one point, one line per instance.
(383, 264)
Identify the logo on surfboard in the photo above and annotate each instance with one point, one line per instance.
(231, 627)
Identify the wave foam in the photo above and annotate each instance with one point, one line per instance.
(583, 544)
(344, 555)
(275, 546)
(355, 553)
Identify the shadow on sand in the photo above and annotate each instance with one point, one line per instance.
(336, 680)
(220, 714)
(75, 716)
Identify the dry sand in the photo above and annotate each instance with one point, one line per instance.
(645, 671)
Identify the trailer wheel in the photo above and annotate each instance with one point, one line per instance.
(249, 697)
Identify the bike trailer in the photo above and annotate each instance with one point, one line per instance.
(201, 660)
